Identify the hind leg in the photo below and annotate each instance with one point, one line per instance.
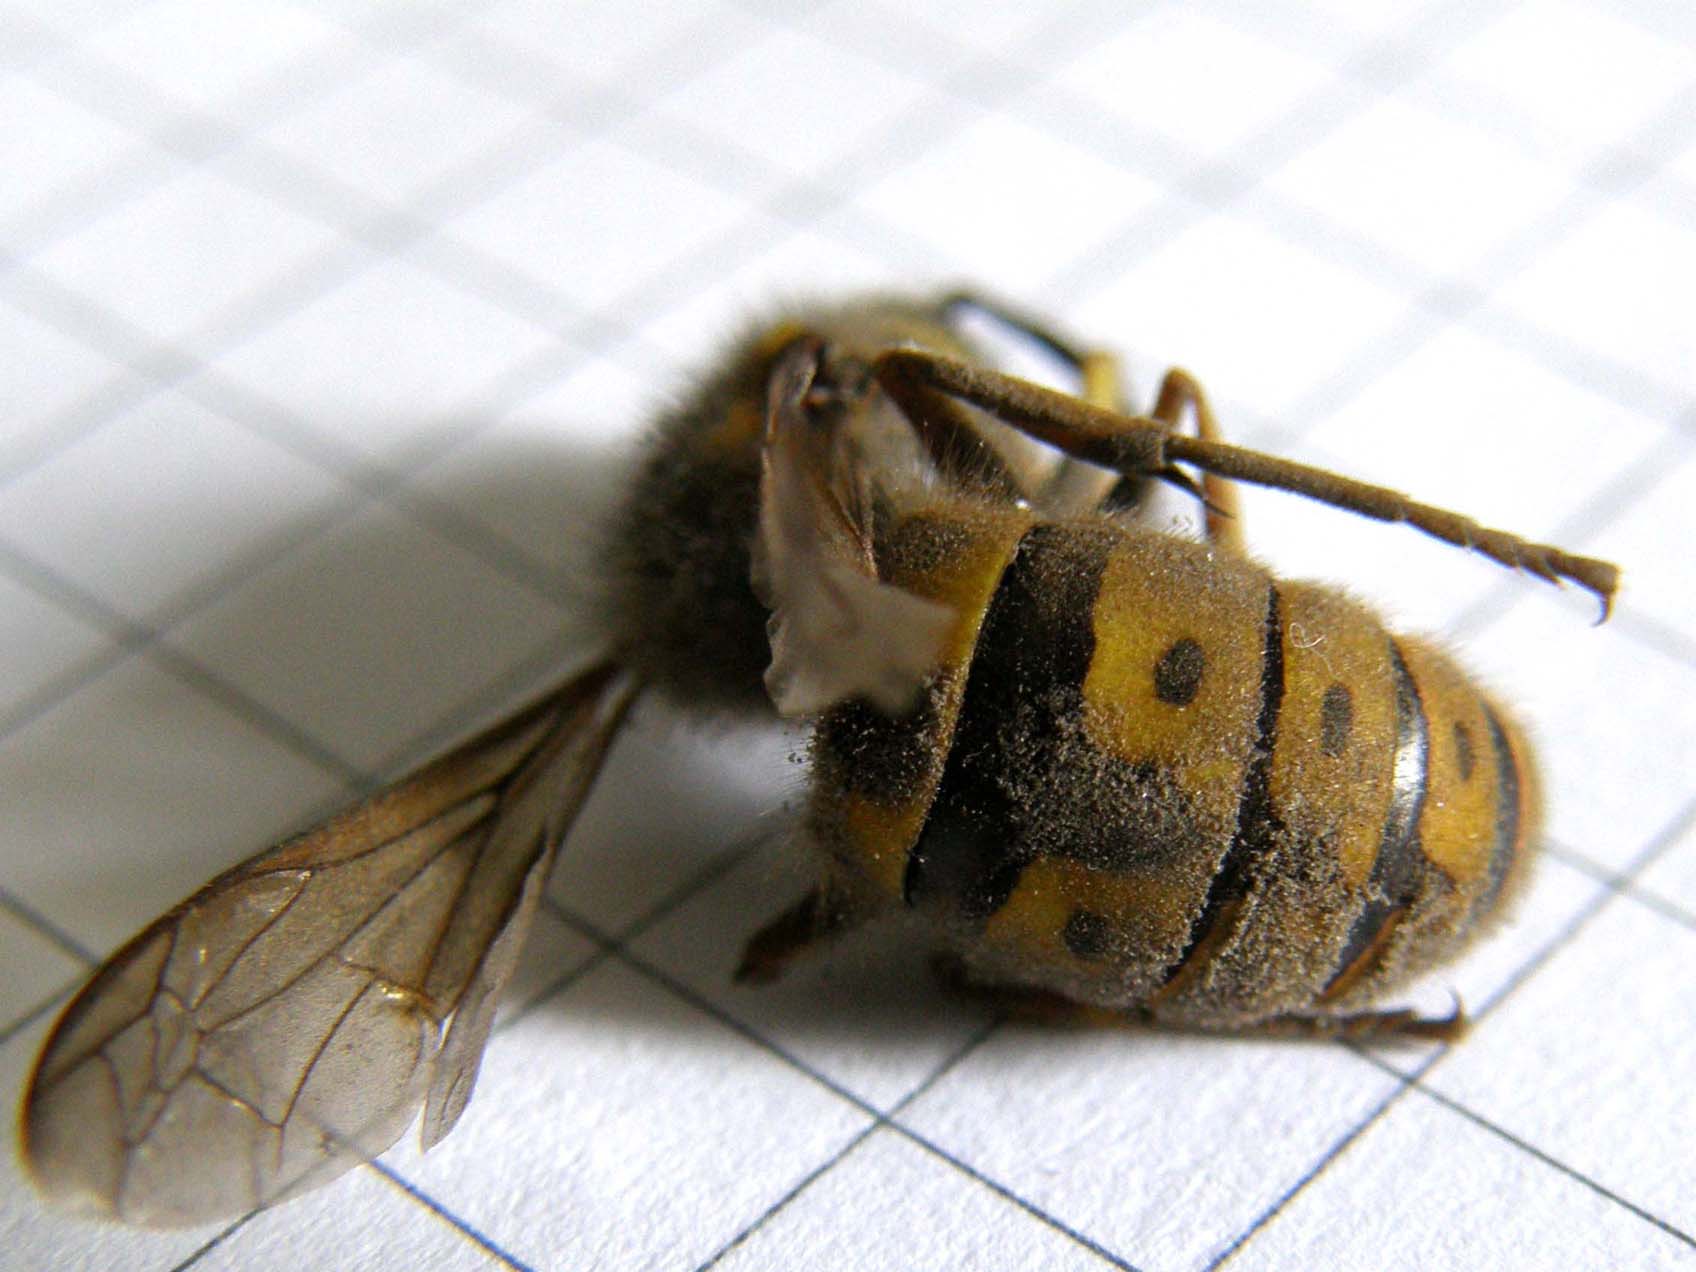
(1080, 486)
(804, 929)
(1042, 1006)
(1219, 499)
(1140, 446)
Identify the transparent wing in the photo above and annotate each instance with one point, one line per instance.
(287, 1021)
(836, 631)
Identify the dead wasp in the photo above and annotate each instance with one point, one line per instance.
(1122, 771)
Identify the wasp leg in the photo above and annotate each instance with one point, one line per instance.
(1043, 1006)
(804, 928)
(955, 443)
(1220, 504)
(1221, 507)
(1018, 321)
(1072, 487)
(1371, 1026)
(1136, 444)
(1101, 384)
(1083, 486)
(1076, 487)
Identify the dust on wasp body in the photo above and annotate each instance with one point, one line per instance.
(1124, 773)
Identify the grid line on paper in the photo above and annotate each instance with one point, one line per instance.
(138, 636)
(1600, 1189)
(1626, 882)
(1451, 301)
(197, 135)
(1612, 171)
(429, 1204)
(1411, 1079)
(1441, 299)
(384, 230)
(806, 1181)
(1637, 892)
(29, 915)
(935, 1076)
(1613, 886)
(1656, 634)
(880, 1117)
(165, 366)
(211, 1244)
(618, 946)
(612, 946)
(41, 1010)
(176, 365)
(447, 1216)
(1008, 1194)
(1220, 181)
(1319, 1166)
(605, 948)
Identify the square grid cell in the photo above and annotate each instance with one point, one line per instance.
(1571, 79)
(332, 337)
(50, 144)
(199, 52)
(146, 533)
(1430, 1214)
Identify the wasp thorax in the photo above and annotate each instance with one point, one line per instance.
(680, 546)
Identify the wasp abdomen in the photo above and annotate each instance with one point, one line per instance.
(1158, 776)
(875, 777)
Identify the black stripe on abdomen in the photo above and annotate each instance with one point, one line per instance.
(1025, 686)
(1258, 824)
(1400, 864)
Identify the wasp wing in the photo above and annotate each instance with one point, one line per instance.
(836, 630)
(287, 1021)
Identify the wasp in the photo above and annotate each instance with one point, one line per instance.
(1124, 773)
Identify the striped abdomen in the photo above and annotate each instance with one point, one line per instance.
(1149, 773)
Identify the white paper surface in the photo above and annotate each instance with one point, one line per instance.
(328, 328)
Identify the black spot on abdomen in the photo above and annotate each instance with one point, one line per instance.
(1086, 934)
(1464, 758)
(1336, 719)
(1177, 676)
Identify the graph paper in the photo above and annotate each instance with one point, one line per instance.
(327, 330)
